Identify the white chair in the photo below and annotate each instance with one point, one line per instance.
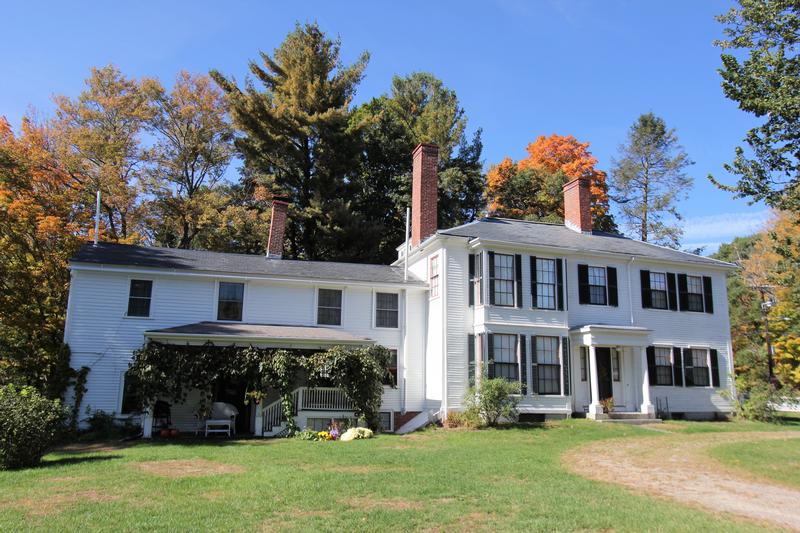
(222, 419)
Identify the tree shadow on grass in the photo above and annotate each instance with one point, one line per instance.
(66, 461)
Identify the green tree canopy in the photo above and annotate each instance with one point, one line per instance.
(761, 72)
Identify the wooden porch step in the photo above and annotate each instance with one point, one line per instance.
(632, 421)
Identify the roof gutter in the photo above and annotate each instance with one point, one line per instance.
(155, 335)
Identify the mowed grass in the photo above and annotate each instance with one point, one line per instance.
(444, 480)
(776, 460)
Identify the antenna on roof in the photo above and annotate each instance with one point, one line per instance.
(405, 266)
(97, 217)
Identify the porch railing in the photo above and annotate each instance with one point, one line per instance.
(324, 399)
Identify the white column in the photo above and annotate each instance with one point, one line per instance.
(647, 406)
(258, 427)
(594, 407)
(147, 423)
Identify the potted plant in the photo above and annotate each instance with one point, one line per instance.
(608, 405)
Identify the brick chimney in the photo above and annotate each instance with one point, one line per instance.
(424, 193)
(578, 205)
(277, 227)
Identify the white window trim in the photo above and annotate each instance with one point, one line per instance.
(514, 278)
(589, 266)
(533, 281)
(438, 257)
(215, 310)
(666, 280)
(707, 349)
(316, 304)
(391, 420)
(128, 297)
(375, 309)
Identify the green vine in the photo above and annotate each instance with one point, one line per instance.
(79, 389)
(171, 371)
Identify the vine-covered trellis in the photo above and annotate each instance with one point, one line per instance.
(171, 371)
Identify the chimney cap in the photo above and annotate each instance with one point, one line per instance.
(426, 146)
(578, 180)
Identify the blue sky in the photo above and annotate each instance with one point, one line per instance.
(520, 68)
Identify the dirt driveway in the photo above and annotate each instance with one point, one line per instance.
(676, 466)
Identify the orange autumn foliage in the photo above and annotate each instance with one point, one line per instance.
(564, 153)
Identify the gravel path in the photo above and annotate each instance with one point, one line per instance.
(677, 467)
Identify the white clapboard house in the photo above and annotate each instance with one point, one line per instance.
(576, 315)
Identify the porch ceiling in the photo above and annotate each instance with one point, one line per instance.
(267, 334)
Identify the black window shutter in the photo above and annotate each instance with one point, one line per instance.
(688, 375)
(534, 368)
(523, 362)
(491, 278)
(470, 360)
(560, 284)
(533, 282)
(651, 364)
(647, 297)
(471, 279)
(677, 364)
(518, 274)
(708, 294)
(672, 289)
(583, 284)
(490, 356)
(683, 291)
(613, 295)
(565, 364)
(714, 367)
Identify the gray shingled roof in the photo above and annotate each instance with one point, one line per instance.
(197, 260)
(260, 331)
(558, 235)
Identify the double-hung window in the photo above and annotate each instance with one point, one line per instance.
(386, 309)
(505, 356)
(503, 281)
(391, 376)
(598, 286)
(545, 283)
(697, 365)
(694, 293)
(131, 394)
(329, 307)
(658, 290)
(433, 276)
(230, 301)
(548, 372)
(663, 366)
(139, 297)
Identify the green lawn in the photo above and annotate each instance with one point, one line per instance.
(776, 460)
(448, 480)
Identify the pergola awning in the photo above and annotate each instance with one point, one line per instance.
(267, 335)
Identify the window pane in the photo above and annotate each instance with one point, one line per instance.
(141, 288)
(385, 319)
(547, 350)
(231, 291)
(386, 300)
(597, 295)
(694, 284)
(229, 311)
(131, 395)
(545, 283)
(658, 299)
(597, 276)
(329, 316)
(503, 279)
(330, 298)
(139, 307)
(658, 281)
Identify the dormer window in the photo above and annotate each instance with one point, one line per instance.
(230, 301)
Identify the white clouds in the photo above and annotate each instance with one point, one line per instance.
(712, 230)
(724, 225)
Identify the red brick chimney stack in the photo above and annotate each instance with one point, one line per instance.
(424, 193)
(277, 227)
(578, 205)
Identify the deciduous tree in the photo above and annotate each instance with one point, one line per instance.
(761, 73)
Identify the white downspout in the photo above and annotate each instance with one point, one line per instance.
(404, 333)
(405, 262)
(630, 290)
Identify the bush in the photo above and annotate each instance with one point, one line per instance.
(356, 434)
(494, 400)
(758, 403)
(468, 419)
(105, 426)
(29, 425)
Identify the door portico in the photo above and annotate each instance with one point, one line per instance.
(601, 343)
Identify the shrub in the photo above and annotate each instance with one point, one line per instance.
(758, 403)
(494, 400)
(29, 425)
(468, 419)
(306, 434)
(105, 426)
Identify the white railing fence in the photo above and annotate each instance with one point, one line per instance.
(306, 399)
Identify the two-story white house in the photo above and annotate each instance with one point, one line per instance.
(575, 315)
